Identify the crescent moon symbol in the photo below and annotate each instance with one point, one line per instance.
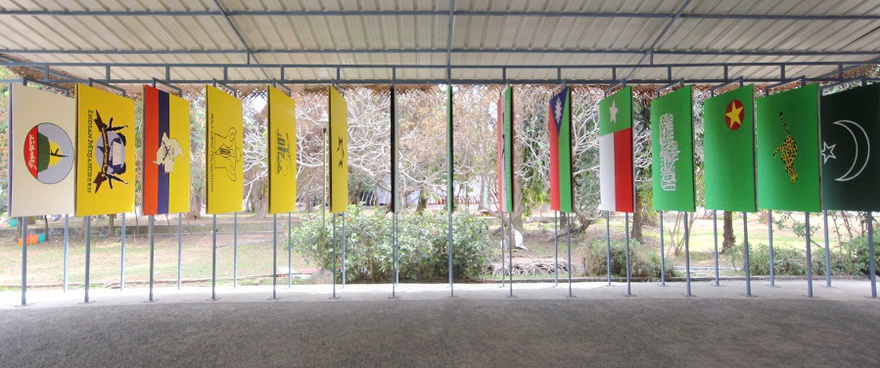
(846, 176)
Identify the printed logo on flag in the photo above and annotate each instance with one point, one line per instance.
(616, 185)
(850, 130)
(42, 135)
(728, 151)
(672, 148)
(282, 152)
(105, 175)
(48, 153)
(561, 192)
(788, 150)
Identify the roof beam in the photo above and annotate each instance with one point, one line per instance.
(449, 40)
(476, 13)
(650, 50)
(240, 38)
(448, 50)
(399, 67)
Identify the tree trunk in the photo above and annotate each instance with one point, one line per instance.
(637, 219)
(423, 203)
(729, 238)
(46, 227)
(110, 225)
(195, 207)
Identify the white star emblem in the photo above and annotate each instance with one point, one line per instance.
(558, 110)
(830, 152)
(613, 111)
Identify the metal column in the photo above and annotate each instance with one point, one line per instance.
(152, 252)
(122, 260)
(715, 232)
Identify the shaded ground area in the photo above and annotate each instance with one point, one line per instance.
(478, 328)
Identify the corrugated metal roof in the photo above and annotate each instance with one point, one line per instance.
(376, 40)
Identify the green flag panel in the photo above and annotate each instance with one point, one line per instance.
(849, 154)
(729, 151)
(672, 148)
(788, 150)
(508, 150)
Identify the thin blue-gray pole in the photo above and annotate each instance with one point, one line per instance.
(214, 259)
(570, 265)
(289, 251)
(449, 250)
(333, 215)
(88, 220)
(608, 244)
(274, 255)
(510, 252)
(827, 251)
(872, 262)
(662, 253)
(628, 274)
(152, 252)
(687, 253)
(66, 248)
(394, 247)
(809, 257)
(179, 248)
(715, 232)
(770, 234)
(556, 246)
(23, 221)
(122, 257)
(234, 250)
(503, 262)
(746, 251)
(343, 250)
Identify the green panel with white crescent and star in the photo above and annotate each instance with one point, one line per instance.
(849, 151)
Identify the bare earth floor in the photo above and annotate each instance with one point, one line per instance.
(481, 326)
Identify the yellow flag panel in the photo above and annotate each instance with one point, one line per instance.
(105, 176)
(338, 134)
(223, 142)
(282, 152)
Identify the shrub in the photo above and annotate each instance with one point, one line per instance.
(786, 261)
(422, 239)
(644, 264)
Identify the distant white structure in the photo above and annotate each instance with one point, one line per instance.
(518, 241)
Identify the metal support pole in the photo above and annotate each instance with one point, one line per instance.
(809, 257)
(152, 252)
(570, 265)
(274, 255)
(827, 250)
(88, 220)
(556, 247)
(746, 251)
(289, 251)
(608, 244)
(23, 221)
(214, 259)
(179, 248)
(333, 215)
(872, 262)
(343, 250)
(687, 253)
(66, 248)
(628, 274)
(770, 233)
(122, 259)
(234, 250)
(503, 262)
(510, 252)
(715, 232)
(394, 250)
(662, 253)
(451, 276)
